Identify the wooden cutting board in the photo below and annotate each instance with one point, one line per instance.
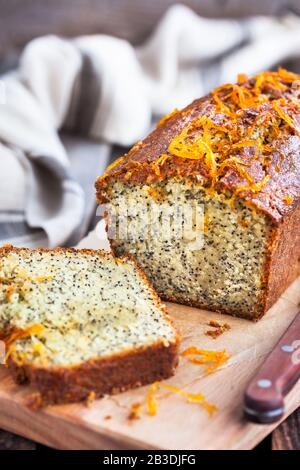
(178, 424)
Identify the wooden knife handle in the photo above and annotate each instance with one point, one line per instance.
(263, 401)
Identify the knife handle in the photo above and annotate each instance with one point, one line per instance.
(264, 397)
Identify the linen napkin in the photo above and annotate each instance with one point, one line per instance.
(71, 100)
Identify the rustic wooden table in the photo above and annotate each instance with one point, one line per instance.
(287, 435)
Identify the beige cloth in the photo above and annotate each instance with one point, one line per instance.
(101, 88)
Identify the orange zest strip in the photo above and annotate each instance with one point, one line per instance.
(90, 399)
(159, 162)
(167, 117)
(10, 290)
(10, 340)
(113, 164)
(255, 187)
(187, 149)
(151, 401)
(239, 166)
(239, 116)
(241, 78)
(284, 116)
(43, 278)
(287, 76)
(219, 102)
(215, 358)
(208, 124)
(246, 143)
(197, 398)
(270, 78)
(9, 351)
(195, 148)
(20, 334)
(288, 199)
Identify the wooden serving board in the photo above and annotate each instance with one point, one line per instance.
(178, 424)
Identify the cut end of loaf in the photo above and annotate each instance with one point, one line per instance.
(240, 143)
(225, 274)
(99, 320)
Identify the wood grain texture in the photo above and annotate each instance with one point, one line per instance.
(287, 435)
(177, 425)
(9, 441)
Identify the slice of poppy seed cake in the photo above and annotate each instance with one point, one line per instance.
(81, 322)
(236, 154)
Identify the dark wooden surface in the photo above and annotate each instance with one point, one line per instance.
(287, 435)
(9, 441)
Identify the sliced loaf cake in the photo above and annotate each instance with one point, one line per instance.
(81, 322)
(235, 153)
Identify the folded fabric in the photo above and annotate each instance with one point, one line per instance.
(70, 100)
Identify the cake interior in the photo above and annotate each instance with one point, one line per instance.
(226, 273)
(89, 305)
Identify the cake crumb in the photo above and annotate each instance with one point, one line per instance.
(34, 401)
(135, 412)
(218, 329)
(90, 399)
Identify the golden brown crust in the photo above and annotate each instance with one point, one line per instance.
(284, 258)
(110, 374)
(137, 166)
(278, 198)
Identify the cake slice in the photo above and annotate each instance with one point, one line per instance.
(81, 323)
(235, 154)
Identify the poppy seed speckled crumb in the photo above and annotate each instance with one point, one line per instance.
(236, 151)
(103, 326)
(225, 274)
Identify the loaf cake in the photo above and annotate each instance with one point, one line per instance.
(236, 152)
(80, 323)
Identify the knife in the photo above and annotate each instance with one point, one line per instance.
(264, 397)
